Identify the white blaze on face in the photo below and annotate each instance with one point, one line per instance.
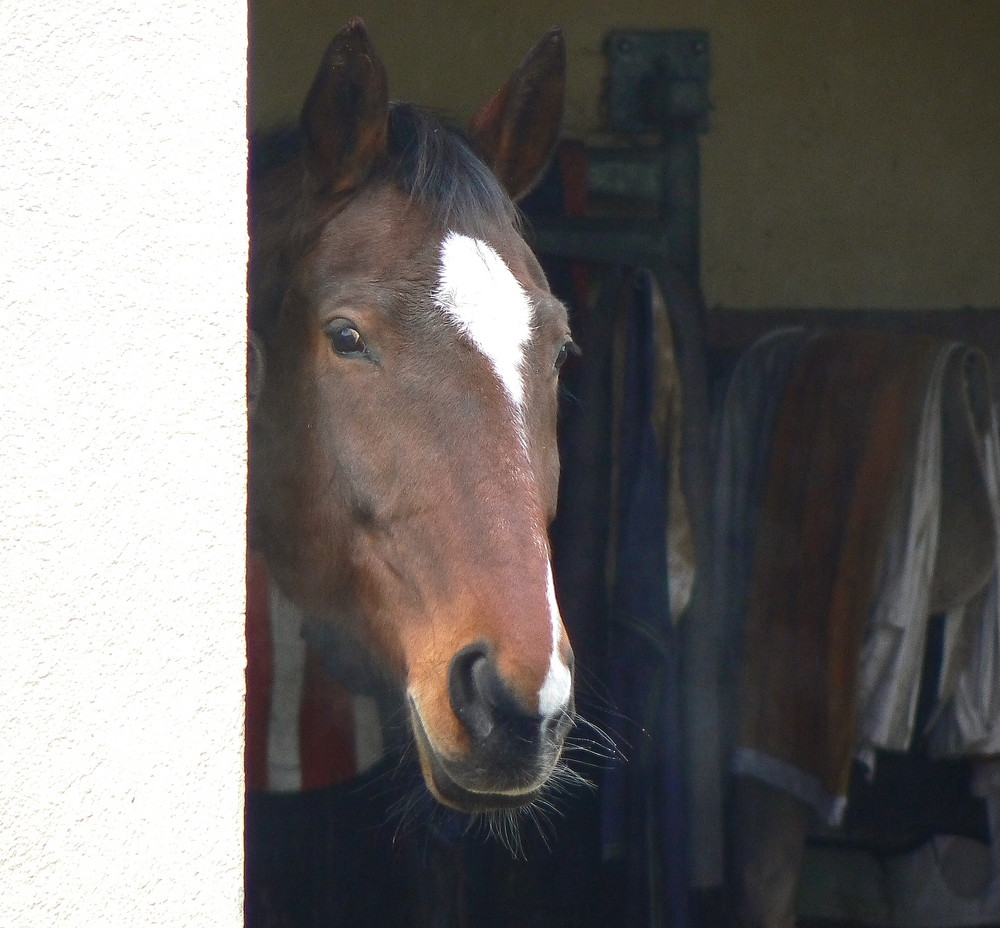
(558, 685)
(482, 297)
(479, 294)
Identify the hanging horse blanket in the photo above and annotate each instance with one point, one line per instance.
(878, 506)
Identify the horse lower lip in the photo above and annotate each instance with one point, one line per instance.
(453, 794)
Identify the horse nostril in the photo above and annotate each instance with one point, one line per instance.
(479, 697)
(463, 690)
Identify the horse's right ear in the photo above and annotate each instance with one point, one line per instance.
(346, 113)
(515, 132)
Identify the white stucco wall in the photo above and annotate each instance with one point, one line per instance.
(122, 313)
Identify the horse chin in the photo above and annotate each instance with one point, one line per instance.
(443, 784)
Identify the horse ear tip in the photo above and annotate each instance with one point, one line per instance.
(355, 30)
(554, 39)
(352, 36)
(551, 48)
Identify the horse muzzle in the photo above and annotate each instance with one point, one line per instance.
(503, 753)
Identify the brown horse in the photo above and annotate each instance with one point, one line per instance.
(405, 353)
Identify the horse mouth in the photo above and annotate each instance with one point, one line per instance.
(449, 792)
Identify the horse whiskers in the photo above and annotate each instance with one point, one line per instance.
(564, 778)
(601, 746)
(506, 825)
(593, 694)
(503, 827)
(599, 732)
(412, 810)
(417, 812)
(568, 396)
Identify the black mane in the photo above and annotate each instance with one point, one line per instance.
(431, 162)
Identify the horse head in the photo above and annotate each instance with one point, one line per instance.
(404, 366)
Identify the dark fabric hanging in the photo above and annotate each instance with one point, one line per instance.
(643, 808)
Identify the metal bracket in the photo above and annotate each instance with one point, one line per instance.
(658, 80)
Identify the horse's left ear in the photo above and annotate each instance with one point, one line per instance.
(515, 132)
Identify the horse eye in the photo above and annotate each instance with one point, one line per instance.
(567, 348)
(345, 337)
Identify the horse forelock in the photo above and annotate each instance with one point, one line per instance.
(433, 164)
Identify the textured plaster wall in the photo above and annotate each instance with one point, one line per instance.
(122, 314)
(854, 146)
